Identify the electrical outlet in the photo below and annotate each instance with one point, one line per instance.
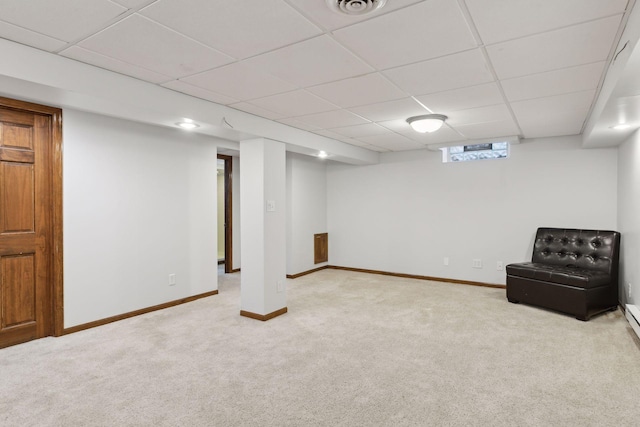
(271, 205)
(280, 286)
(172, 279)
(499, 266)
(446, 260)
(477, 263)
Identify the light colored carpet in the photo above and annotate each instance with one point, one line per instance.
(354, 350)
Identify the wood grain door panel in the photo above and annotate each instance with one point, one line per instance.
(11, 155)
(18, 300)
(17, 136)
(11, 117)
(25, 226)
(17, 197)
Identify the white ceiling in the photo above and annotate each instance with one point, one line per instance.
(531, 68)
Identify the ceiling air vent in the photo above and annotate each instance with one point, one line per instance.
(355, 7)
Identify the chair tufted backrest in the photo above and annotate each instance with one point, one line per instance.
(590, 249)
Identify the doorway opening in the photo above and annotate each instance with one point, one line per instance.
(225, 226)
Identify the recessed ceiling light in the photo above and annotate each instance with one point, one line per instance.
(188, 124)
(323, 155)
(621, 126)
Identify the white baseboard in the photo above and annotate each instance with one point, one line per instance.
(633, 316)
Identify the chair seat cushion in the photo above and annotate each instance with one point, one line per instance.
(562, 275)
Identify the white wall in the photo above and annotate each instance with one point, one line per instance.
(410, 211)
(139, 204)
(629, 218)
(235, 203)
(220, 217)
(306, 210)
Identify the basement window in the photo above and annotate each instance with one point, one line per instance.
(469, 153)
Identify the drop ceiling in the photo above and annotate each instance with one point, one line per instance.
(531, 68)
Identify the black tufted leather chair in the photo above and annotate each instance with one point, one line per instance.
(571, 271)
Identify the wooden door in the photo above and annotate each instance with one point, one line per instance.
(228, 213)
(26, 291)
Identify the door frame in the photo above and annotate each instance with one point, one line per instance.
(55, 324)
(228, 212)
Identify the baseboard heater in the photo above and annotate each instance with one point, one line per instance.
(633, 316)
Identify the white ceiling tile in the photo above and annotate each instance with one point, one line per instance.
(384, 111)
(239, 28)
(421, 31)
(295, 103)
(133, 4)
(357, 143)
(544, 108)
(30, 38)
(549, 55)
(240, 81)
(358, 131)
(298, 124)
(139, 41)
(329, 134)
(565, 123)
(566, 80)
(567, 47)
(319, 13)
(93, 58)
(181, 86)
(311, 62)
(397, 125)
(560, 113)
(338, 137)
(332, 135)
(443, 135)
(505, 127)
(440, 74)
(362, 90)
(257, 111)
(461, 99)
(61, 19)
(332, 119)
(392, 141)
(479, 115)
(499, 20)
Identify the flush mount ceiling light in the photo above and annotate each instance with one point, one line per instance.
(188, 124)
(355, 7)
(427, 123)
(323, 155)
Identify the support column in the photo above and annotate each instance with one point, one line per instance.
(263, 225)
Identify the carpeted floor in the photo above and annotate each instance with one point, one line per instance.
(354, 350)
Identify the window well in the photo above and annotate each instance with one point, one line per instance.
(468, 153)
